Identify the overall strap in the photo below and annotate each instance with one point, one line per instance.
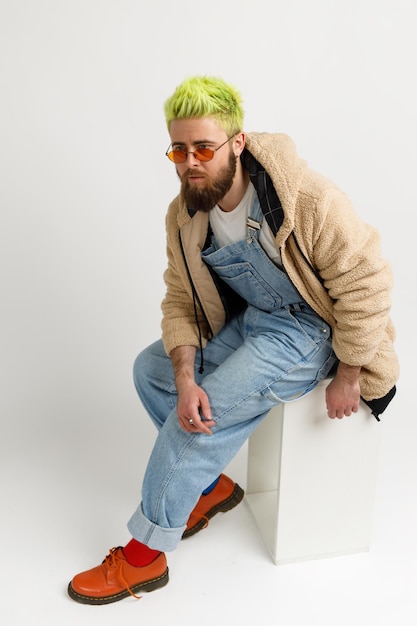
(255, 219)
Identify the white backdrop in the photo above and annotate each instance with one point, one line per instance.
(84, 186)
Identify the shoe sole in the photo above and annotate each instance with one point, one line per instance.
(221, 507)
(147, 586)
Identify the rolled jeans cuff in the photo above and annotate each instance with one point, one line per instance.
(152, 535)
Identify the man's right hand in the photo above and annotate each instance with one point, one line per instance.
(193, 408)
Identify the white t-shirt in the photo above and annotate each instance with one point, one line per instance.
(231, 226)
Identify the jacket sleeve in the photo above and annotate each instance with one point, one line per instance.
(358, 279)
(182, 321)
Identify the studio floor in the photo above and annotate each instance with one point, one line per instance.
(58, 520)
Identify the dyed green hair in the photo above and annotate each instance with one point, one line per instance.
(206, 96)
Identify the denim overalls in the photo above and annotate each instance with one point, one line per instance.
(248, 270)
(275, 351)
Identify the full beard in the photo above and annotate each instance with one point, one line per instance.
(204, 198)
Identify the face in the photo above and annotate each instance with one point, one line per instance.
(204, 183)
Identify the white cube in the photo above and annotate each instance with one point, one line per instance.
(311, 479)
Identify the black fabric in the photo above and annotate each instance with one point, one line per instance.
(378, 405)
(268, 197)
(232, 302)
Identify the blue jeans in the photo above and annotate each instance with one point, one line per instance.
(258, 360)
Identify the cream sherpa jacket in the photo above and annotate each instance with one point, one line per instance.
(332, 257)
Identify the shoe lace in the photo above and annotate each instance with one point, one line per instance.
(195, 518)
(112, 560)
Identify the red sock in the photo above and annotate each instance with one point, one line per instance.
(138, 554)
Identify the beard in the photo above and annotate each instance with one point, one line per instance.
(205, 197)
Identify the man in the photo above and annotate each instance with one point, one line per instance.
(272, 283)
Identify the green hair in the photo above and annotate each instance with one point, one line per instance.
(206, 96)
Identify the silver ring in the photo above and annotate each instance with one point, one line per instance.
(191, 421)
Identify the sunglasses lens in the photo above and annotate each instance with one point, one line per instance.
(180, 156)
(204, 154)
(177, 156)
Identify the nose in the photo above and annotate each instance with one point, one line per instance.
(191, 160)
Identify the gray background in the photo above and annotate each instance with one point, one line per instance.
(84, 186)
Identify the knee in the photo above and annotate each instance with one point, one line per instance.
(140, 369)
(147, 365)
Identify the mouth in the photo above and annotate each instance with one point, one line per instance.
(196, 179)
(194, 175)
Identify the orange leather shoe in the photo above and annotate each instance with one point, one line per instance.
(116, 579)
(225, 496)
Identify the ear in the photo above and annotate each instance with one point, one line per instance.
(239, 143)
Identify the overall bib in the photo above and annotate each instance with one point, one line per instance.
(276, 350)
(248, 270)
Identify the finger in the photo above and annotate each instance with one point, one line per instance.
(205, 410)
(203, 426)
(186, 423)
(190, 425)
(198, 425)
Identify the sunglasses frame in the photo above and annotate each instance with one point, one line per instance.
(184, 153)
